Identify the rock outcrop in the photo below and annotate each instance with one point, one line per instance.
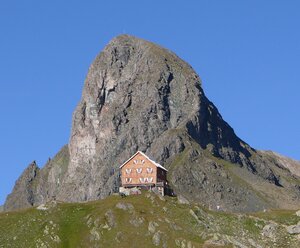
(140, 96)
(23, 193)
(293, 229)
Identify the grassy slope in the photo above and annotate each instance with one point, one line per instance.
(102, 224)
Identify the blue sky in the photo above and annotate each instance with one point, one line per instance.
(246, 52)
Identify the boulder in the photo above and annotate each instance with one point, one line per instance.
(293, 229)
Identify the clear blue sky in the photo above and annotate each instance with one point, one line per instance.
(246, 52)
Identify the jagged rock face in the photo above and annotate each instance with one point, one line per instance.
(23, 194)
(139, 96)
(135, 93)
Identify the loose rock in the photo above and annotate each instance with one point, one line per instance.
(182, 200)
(137, 221)
(270, 231)
(152, 226)
(124, 206)
(110, 218)
(294, 229)
(156, 238)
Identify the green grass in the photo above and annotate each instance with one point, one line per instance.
(73, 230)
(77, 224)
(285, 217)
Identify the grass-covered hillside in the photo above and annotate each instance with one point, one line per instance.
(143, 221)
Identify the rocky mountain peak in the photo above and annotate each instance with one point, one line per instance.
(138, 86)
(140, 96)
(131, 82)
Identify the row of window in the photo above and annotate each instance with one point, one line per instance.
(142, 180)
(139, 170)
(137, 161)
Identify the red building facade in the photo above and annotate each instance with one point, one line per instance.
(141, 171)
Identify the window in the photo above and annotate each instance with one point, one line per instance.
(128, 171)
(150, 179)
(142, 180)
(135, 161)
(139, 170)
(143, 161)
(149, 170)
(128, 180)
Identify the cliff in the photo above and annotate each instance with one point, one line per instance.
(140, 96)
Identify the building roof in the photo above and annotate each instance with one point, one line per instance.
(152, 161)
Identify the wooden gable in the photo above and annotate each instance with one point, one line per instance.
(140, 170)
